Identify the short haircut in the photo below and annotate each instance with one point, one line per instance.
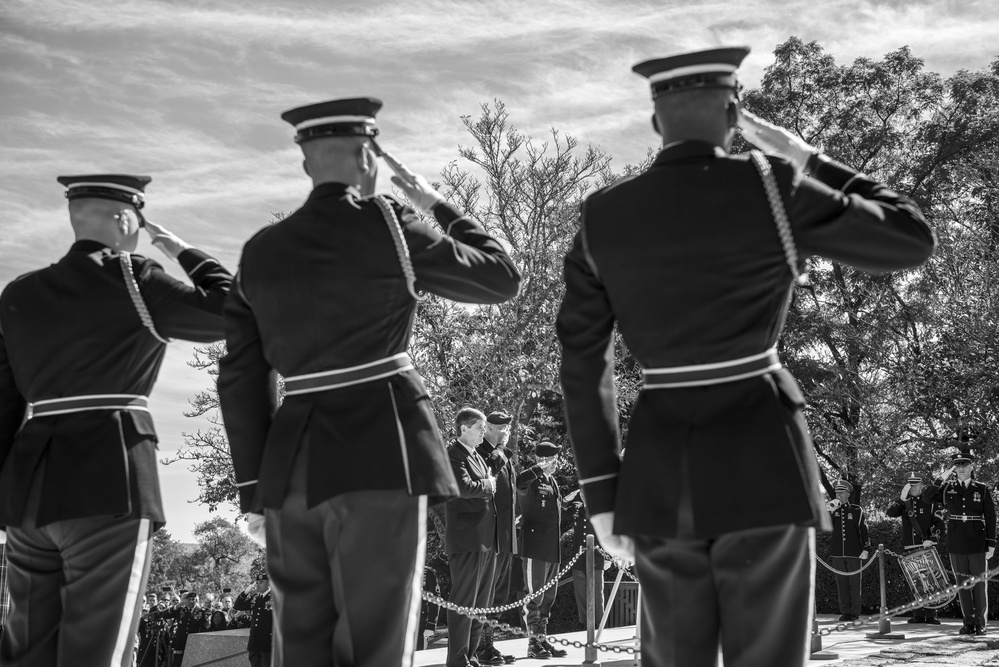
(466, 417)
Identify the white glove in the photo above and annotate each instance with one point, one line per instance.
(621, 547)
(832, 505)
(418, 190)
(947, 473)
(169, 243)
(492, 485)
(905, 493)
(990, 553)
(863, 555)
(928, 543)
(427, 634)
(774, 139)
(255, 527)
(3, 536)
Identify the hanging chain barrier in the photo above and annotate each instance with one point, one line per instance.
(481, 614)
(829, 567)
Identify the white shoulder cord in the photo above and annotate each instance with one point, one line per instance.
(133, 291)
(401, 249)
(778, 211)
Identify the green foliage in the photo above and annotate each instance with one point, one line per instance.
(223, 556)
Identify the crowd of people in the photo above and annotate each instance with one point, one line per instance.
(170, 617)
(691, 261)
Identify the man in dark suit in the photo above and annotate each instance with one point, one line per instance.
(81, 343)
(848, 549)
(469, 536)
(971, 536)
(326, 298)
(922, 528)
(693, 261)
(256, 599)
(499, 458)
(541, 507)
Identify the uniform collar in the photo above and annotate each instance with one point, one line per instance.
(333, 189)
(88, 246)
(688, 150)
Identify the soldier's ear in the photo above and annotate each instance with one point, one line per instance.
(655, 125)
(305, 167)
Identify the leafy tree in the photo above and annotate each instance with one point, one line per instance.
(226, 552)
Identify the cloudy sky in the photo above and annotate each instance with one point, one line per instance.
(190, 92)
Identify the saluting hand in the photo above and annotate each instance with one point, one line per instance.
(774, 139)
(169, 243)
(418, 190)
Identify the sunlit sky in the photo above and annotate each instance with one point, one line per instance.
(190, 92)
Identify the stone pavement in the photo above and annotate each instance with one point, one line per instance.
(923, 646)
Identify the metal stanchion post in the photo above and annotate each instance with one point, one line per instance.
(817, 653)
(884, 625)
(590, 653)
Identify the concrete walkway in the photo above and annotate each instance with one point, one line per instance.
(922, 646)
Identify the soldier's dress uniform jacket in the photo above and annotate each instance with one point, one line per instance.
(261, 620)
(71, 329)
(541, 512)
(971, 515)
(187, 621)
(922, 511)
(850, 533)
(686, 258)
(357, 309)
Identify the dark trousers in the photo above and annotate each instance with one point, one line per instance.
(346, 576)
(750, 590)
(76, 591)
(501, 591)
(579, 587)
(471, 586)
(537, 609)
(259, 659)
(974, 602)
(848, 586)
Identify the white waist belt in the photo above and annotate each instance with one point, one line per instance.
(714, 373)
(62, 406)
(344, 377)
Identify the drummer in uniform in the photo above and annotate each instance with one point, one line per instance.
(693, 262)
(971, 536)
(346, 465)
(81, 343)
(922, 528)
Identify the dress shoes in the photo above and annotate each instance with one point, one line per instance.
(932, 621)
(966, 630)
(489, 655)
(981, 631)
(554, 652)
(915, 620)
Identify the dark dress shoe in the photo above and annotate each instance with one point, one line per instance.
(932, 621)
(980, 631)
(509, 659)
(844, 617)
(914, 620)
(966, 630)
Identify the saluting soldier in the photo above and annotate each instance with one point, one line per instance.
(694, 262)
(326, 298)
(849, 548)
(256, 599)
(81, 343)
(971, 536)
(922, 527)
(541, 512)
(189, 618)
(499, 458)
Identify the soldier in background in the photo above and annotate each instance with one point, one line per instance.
(849, 547)
(541, 507)
(971, 536)
(581, 527)
(499, 458)
(189, 618)
(922, 527)
(256, 599)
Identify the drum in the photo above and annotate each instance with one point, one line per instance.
(926, 575)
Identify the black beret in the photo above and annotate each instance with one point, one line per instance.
(547, 449)
(499, 417)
